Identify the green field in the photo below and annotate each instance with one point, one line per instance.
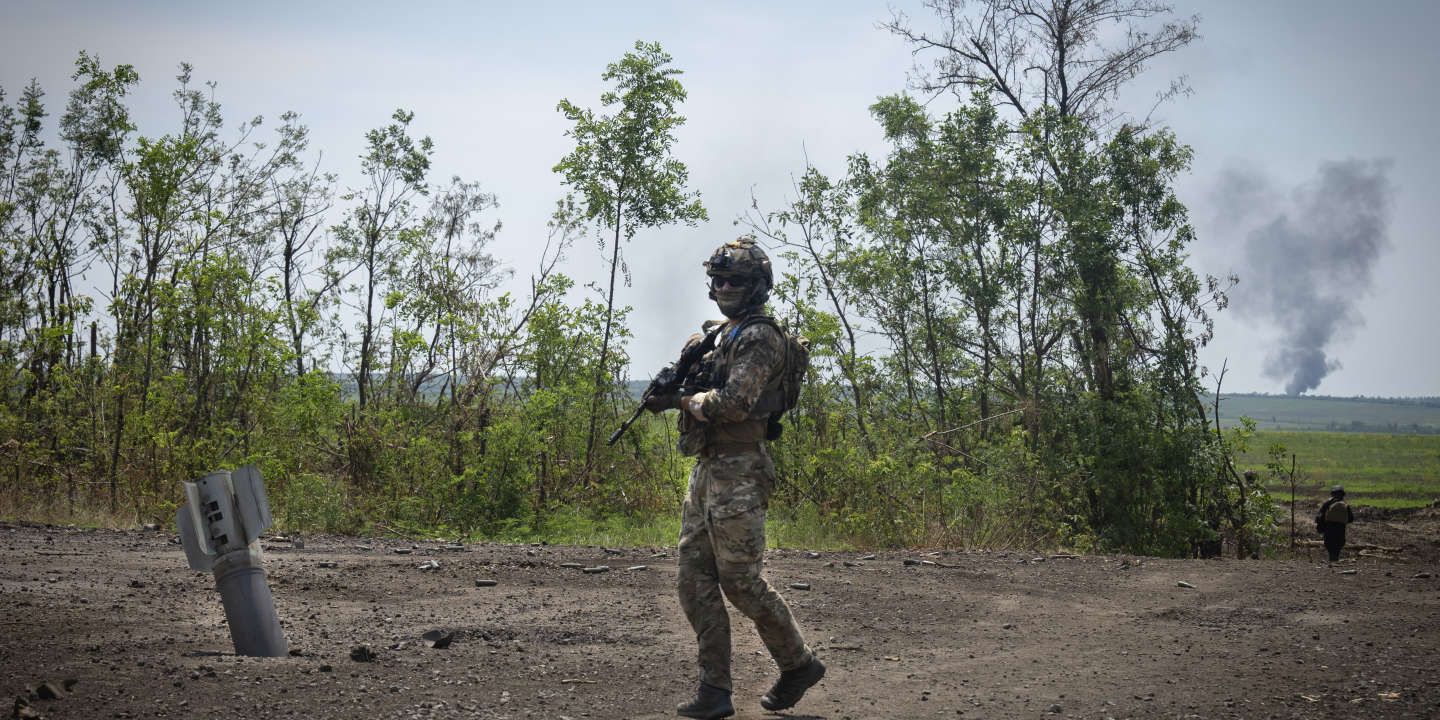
(1376, 469)
(1304, 412)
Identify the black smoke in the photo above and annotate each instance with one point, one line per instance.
(1309, 259)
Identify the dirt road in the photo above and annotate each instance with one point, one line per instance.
(974, 635)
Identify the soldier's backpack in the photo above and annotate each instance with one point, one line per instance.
(1333, 511)
(792, 377)
(1339, 512)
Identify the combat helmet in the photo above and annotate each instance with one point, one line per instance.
(741, 259)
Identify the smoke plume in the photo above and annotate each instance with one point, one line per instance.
(1309, 259)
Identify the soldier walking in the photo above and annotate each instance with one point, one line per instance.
(722, 528)
(1334, 516)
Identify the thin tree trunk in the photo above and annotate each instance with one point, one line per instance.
(604, 345)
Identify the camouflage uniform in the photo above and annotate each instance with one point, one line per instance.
(722, 530)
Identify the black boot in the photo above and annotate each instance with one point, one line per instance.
(710, 703)
(792, 685)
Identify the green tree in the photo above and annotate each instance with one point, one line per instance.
(447, 275)
(623, 174)
(373, 239)
(301, 200)
(819, 230)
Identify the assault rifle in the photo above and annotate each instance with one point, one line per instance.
(678, 376)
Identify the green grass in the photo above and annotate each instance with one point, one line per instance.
(1376, 469)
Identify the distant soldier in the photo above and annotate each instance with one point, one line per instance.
(722, 528)
(1334, 515)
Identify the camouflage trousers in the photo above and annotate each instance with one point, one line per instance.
(722, 541)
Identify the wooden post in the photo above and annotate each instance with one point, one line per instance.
(1292, 501)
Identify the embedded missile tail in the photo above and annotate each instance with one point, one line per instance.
(220, 525)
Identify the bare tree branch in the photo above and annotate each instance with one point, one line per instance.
(994, 45)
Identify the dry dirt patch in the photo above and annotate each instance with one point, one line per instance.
(976, 635)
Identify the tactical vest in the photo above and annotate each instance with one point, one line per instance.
(696, 436)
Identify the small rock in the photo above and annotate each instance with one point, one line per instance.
(137, 584)
(1008, 626)
(438, 639)
(911, 561)
(151, 526)
(870, 556)
(812, 554)
(1351, 571)
(596, 569)
(637, 568)
(612, 551)
(486, 583)
(572, 565)
(1055, 709)
(1182, 583)
(364, 548)
(428, 566)
(326, 668)
(359, 653)
(799, 586)
(23, 710)
(327, 564)
(852, 563)
(1421, 576)
(47, 691)
(402, 551)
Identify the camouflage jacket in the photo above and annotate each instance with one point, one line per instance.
(745, 366)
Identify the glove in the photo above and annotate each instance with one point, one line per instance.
(695, 405)
(660, 403)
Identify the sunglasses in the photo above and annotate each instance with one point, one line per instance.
(718, 282)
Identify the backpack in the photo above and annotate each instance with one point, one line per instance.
(1339, 512)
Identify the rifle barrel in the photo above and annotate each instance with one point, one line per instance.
(625, 425)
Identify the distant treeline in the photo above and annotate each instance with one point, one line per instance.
(1003, 325)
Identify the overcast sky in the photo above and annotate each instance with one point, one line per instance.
(1288, 96)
